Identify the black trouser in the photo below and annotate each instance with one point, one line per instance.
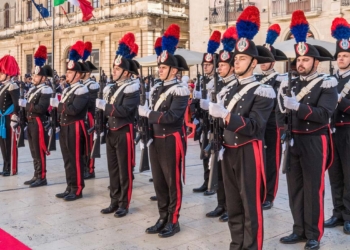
(243, 169)
(72, 142)
(339, 173)
(221, 197)
(9, 149)
(205, 167)
(272, 166)
(89, 162)
(120, 150)
(305, 179)
(166, 163)
(37, 136)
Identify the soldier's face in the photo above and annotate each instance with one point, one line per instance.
(306, 65)
(118, 73)
(2, 77)
(242, 63)
(267, 66)
(72, 76)
(39, 79)
(208, 68)
(343, 60)
(163, 71)
(224, 69)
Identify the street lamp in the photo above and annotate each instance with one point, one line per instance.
(240, 8)
(215, 13)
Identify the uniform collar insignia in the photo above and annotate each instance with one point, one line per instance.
(247, 80)
(343, 74)
(309, 77)
(170, 82)
(269, 72)
(229, 78)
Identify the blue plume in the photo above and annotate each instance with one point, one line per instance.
(169, 44)
(158, 50)
(300, 32)
(123, 50)
(86, 55)
(246, 29)
(74, 56)
(212, 46)
(40, 61)
(228, 43)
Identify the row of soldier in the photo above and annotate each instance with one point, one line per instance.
(242, 117)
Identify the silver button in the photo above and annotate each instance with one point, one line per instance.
(236, 137)
(240, 107)
(235, 144)
(307, 129)
(239, 114)
(308, 97)
(307, 103)
(163, 128)
(242, 99)
(308, 123)
(343, 116)
(341, 121)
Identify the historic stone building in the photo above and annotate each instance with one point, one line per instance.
(22, 29)
(320, 14)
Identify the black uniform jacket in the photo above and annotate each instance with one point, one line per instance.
(342, 113)
(74, 108)
(250, 114)
(122, 110)
(316, 108)
(9, 96)
(93, 88)
(169, 117)
(38, 101)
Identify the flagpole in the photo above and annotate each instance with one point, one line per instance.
(53, 34)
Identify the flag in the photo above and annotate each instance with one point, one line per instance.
(84, 5)
(42, 10)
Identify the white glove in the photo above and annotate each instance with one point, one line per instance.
(22, 102)
(197, 94)
(204, 104)
(95, 135)
(54, 102)
(144, 110)
(291, 102)
(13, 125)
(147, 95)
(218, 110)
(101, 104)
(339, 97)
(50, 131)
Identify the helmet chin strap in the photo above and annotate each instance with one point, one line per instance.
(168, 73)
(73, 77)
(250, 64)
(120, 76)
(270, 67)
(312, 68)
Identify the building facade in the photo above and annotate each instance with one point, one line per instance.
(320, 14)
(22, 29)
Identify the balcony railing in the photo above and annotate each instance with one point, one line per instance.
(282, 8)
(345, 2)
(230, 11)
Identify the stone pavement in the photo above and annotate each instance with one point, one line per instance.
(43, 222)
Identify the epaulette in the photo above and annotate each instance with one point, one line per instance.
(210, 84)
(107, 89)
(155, 86)
(265, 91)
(81, 91)
(132, 88)
(181, 91)
(46, 90)
(282, 77)
(94, 85)
(13, 86)
(329, 82)
(30, 90)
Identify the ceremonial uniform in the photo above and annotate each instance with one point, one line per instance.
(123, 98)
(9, 95)
(272, 137)
(93, 88)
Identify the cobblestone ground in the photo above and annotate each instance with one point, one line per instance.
(38, 219)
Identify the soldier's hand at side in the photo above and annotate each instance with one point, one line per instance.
(54, 102)
(144, 110)
(204, 104)
(291, 102)
(218, 110)
(101, 104)
(22, 103)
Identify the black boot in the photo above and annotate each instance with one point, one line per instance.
(39, 183)
(157, 227)
(121, 212)
(150, 180)
(88, 175)
(333, 222)
(218, 211)
(153, 198)
(267, 205)
(62, 195)
(346, 227)
(111, 209)
(169, 230)
(312, 244)
(224, 217)
(30, 181)
(292, 239)
(201, 189)
(207, 193)
(73, 197)
(6, 173)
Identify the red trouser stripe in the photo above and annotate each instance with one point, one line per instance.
(131, 128)
(130, 150)
(259, 166)
(278, 159)
(77, 156)
(91, 141)
(178, 180)
(42, 147)
(14, 157)
(321, 191)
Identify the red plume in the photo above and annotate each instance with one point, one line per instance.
(135, 49)
(128, 39)
(41, 52)
(173, 30)
(9, 66)
(79, 47)
(88, 46)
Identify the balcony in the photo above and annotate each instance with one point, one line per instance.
(229, 13)
(282, 9)
(345, 2)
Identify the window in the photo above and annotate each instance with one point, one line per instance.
(95, 59)
(124, 1)
(95, 3)
(49, 4)
(70, 8)
(29, 63)
(29, 11)
(7, 16)
(49, 59)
